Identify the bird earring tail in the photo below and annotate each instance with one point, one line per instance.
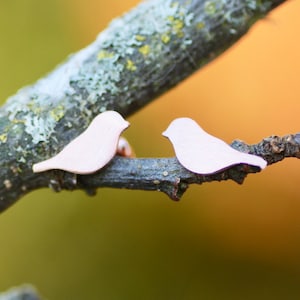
(202, 153)
(92, 149)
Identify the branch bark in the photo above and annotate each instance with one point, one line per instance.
(138, 57)
(25, 292)
(164, 174)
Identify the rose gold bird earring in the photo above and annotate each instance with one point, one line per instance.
(202, 153)
(92, 149)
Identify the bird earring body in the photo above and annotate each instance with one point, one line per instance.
(92, 149)
(202, 153)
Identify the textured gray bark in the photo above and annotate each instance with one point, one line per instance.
(138, 57)
(25, 292)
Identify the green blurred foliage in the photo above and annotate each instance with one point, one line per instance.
(131, 244)
(33, 40)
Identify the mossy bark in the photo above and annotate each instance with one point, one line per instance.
(138, 57)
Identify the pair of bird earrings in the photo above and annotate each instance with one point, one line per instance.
(195, 149)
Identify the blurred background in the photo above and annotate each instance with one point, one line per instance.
(222, 240)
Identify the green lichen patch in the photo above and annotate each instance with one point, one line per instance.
(165, 38)
(3, 138)
(57, 113)
(130, 65)
(200, 25)
(140, 38)
(210, 7)
(145, 50)
(103, 54)
(38, 116)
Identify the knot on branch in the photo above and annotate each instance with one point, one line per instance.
(273, 148)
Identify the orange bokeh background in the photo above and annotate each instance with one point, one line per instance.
(250, 92)
(249, 231)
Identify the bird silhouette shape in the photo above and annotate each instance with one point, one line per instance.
(92, 149)
(202, 153)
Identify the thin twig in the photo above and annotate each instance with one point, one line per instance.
(165, 174)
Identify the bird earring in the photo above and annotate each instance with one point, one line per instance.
(202, 153)
(92, 149)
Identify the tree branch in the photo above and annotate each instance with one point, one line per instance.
(138, 57)
(25, 292)
(163, 174)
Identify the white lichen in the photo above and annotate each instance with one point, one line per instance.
(137, 37)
